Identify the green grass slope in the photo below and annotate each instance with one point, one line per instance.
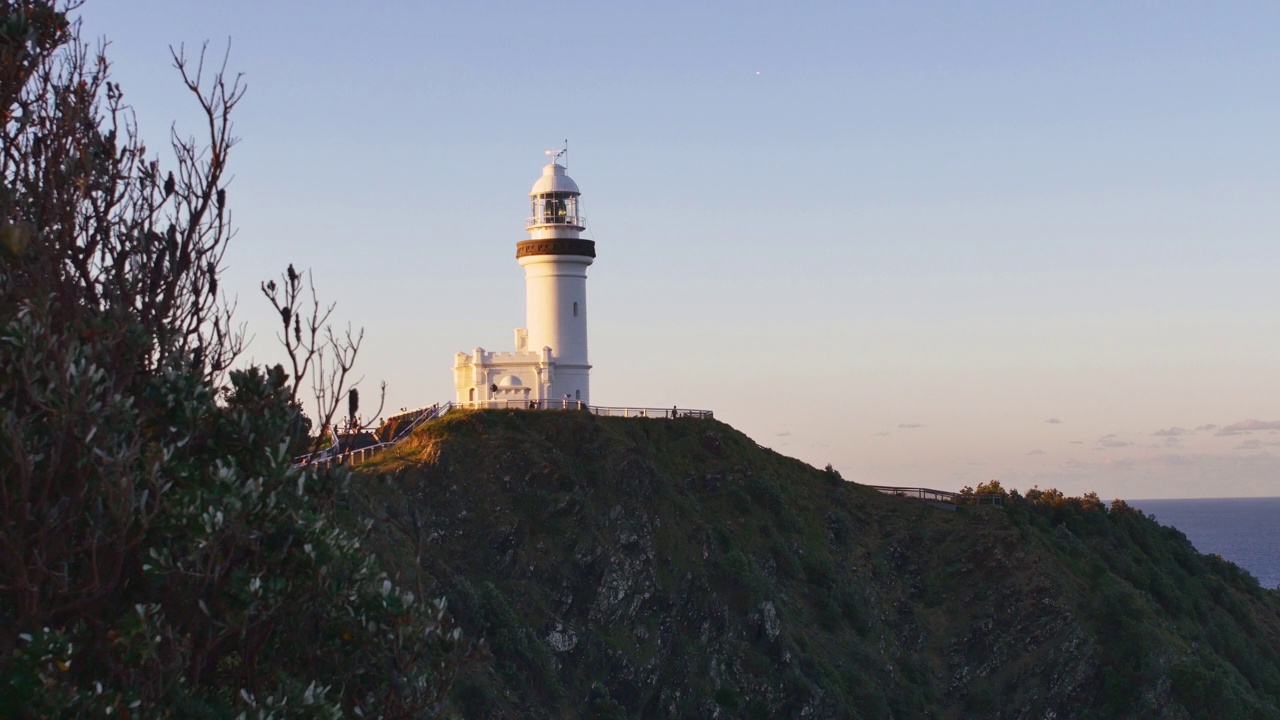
(627, 568)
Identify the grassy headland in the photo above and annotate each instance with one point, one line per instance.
(645, 568)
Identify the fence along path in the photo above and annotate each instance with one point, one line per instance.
(328, 458)
(941, 498)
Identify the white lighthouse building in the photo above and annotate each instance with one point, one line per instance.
(549, 366)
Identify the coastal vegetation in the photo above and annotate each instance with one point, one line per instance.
(162, 556)
(675, 568)
(159, 555)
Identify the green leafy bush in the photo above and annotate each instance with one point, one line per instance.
(160, 555)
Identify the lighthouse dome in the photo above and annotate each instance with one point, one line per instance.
(554, 180)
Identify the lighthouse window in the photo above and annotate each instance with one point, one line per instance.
(577, 394)
(575, 309)
(555, 211)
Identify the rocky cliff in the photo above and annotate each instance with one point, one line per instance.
(633, 568)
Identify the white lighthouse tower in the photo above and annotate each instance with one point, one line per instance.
(555, 261)
(549, 366)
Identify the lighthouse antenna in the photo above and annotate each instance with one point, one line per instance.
(556, 154)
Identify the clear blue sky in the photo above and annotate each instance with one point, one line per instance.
(895, 237)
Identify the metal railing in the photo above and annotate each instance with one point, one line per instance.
(423, 414)
(328, 458)
(518, 404)
(319, 455)
(942, 496)
(576, 220)
(566, 404)
(668, 413)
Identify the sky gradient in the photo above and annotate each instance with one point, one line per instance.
(929, 245)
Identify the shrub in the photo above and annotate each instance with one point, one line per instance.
(159, 551)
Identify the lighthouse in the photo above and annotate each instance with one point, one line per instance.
(550, 366)
(555, 260)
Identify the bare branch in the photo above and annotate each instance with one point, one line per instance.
(316, 353)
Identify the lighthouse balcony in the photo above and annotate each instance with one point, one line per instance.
(574, 221)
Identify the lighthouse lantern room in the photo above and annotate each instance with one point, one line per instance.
(549, 366)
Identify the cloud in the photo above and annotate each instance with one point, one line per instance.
(1206, 428)
(1053, 421)
(784, 433)
(1170, 432)
(1154, 474)
(1076, 442)
(910, 426)
(1247, 426)
(1112, 441)
(1036, 452)
(1250, 444)
(975, 463)
(881, 434)
(1163, 460)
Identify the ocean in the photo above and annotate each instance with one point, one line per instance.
(1245, 531)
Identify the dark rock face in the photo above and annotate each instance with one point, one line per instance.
(674, 568)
